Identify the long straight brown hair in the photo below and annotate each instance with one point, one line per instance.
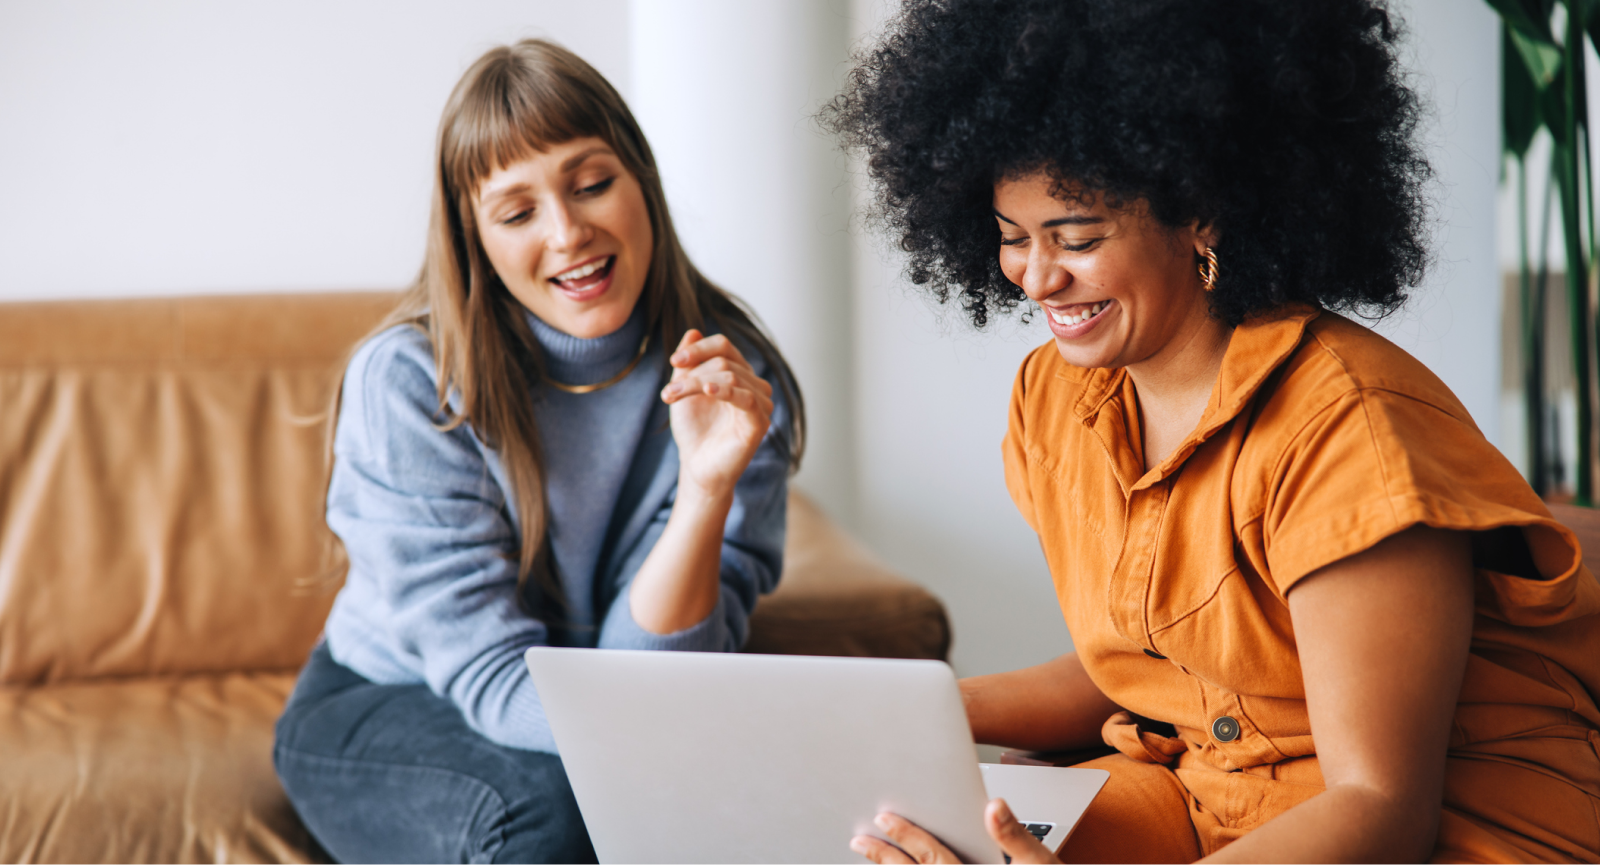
(514, 101)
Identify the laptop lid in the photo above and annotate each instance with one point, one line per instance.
(707, 757)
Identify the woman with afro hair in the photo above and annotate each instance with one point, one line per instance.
(1318, 616)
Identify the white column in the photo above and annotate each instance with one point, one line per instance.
(725, 91)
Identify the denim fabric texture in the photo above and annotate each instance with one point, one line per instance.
(430, 528)
(392, 773)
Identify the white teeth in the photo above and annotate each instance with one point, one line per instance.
(1091, 312)
(581, 272)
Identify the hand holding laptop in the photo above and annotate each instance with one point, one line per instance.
(912, 844)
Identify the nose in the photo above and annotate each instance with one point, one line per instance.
(569, 232)
(1045, 276)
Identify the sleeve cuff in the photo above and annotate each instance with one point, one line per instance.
(519, 723)
(622, 632)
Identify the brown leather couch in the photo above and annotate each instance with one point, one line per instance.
(165, 569)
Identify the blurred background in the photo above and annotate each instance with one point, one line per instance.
(171, 147)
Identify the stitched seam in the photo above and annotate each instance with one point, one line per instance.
(1155, 558)
(1202, 603)
(1520, 764)
(1554, 683)
(1036, 457)
(1239, 701)
(1314, 418)
(1383, 469)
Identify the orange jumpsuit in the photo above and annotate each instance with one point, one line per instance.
(1321, 439)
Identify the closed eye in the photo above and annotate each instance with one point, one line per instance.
(597, 188)
(518, 218)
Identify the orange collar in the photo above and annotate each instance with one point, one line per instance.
(1255, 350)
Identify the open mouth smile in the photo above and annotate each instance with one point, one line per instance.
(1076, 319)
(1089, 311)
(587, 280)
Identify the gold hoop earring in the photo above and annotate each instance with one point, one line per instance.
(1208, 269)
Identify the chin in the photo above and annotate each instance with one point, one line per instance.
(597, 321)
(1085, 356)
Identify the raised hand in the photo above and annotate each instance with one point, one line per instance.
(913, 844)
(720, 411)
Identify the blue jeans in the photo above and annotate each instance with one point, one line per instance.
(391, 773)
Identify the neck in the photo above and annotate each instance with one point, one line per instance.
(1174, 385)
(579, 361)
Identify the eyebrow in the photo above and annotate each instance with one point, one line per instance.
(1063, 220)
(504, 191)
(574, 160)
(567, 164)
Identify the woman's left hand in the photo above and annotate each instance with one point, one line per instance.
(912, 844)
(720, 411)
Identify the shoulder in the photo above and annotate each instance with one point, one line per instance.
(394, 366)
(390, 400)
(401, 352)
(1339, 360)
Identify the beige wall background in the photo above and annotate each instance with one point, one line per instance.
(175, 146)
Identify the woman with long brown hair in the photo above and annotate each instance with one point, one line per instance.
(564, 435)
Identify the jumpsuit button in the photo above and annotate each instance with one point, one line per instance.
(1225, 729)
(1154, 654)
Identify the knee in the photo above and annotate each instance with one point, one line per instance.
(1141, 815)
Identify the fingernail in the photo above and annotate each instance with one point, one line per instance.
(711, 388)
(1005, 811)
(858, 845)
(680, 357)
(883, 821)
(671, 390)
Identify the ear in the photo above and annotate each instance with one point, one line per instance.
(1205, 235)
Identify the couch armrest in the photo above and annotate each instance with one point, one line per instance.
(836, 598)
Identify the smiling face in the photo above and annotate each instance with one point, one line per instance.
(1118, 288)
(568, 232)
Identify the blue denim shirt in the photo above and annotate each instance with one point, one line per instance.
(430, 527)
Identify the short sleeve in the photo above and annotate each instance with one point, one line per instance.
(1375, 462)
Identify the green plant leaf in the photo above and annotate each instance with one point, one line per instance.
(1543, 59)
(1519, 99)
(1553, 108)
(1531, 18)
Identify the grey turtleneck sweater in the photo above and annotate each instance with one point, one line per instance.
(430, 526)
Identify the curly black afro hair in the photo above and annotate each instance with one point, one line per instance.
(1285, 123)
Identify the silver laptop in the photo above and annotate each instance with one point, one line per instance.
(705, 757)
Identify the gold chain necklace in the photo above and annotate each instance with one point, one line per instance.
(591, 388)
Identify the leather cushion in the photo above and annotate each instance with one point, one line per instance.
(162, 480)
(836, 598)
(146, 770)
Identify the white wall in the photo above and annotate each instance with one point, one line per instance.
(181, 146)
